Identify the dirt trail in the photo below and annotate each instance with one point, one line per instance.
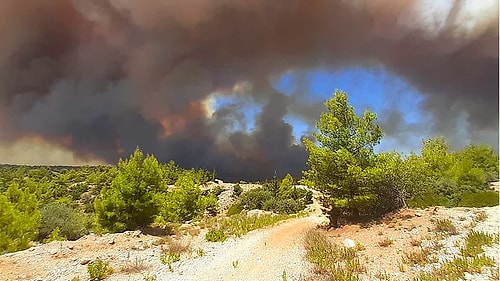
(265, 254)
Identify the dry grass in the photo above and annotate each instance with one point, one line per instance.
(134, 267)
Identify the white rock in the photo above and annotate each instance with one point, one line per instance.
(349, 243)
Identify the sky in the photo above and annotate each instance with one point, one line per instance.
(233, 85)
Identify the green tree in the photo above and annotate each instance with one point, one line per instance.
(128, 203)
(19, 219)
(184, 202)
(337, 161)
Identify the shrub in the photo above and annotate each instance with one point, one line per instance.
(217, 190)
(99, 269)
(19, 219)
(215, 236)
(234, 209)
(237, 190)
(185, 202)
(210, 204)
(70, 222)
(479, 199)
(282, 206)
(255, 198)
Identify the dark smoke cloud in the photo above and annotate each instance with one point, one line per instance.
(101, 77)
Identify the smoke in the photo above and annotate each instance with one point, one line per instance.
(98, 78)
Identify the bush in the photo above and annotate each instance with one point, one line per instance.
(429, 199)
(479, 199)
(99, 269)
(237, 190)
(19, 219)
(255, 198)
(185, 202)
(215, 236)
(283, 206)
(234, 209)
(70, 222)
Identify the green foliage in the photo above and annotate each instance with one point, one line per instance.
(237, 190)
(241, 224)
(19, 219)
(344, 167)
(68, 221)
(99, 269)
(445, 226)
(479, 199)
(215, 235)
(128, 202)
(475, 241)
(55, 236)
(281, 197)
(184, 202)
(234, 209)
(255, 198)
(455, 269)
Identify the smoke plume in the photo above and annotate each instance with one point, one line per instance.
(99, 78)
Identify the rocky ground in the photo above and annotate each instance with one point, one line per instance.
(273, 253)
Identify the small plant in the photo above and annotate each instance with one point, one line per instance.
(76, 278)
(215, 235)
(419, 257)
(474, 242)
(134, 267)
(236, 263)
(200, 252)
(480, 216)
(177, 247)
(386, 242)
(237, 190)
(170, 258)
(283, 276)
(99, 269)
(383, 275)
(401, 267)
(446, 226)
(149, 277)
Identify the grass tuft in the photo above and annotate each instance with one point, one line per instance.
(331, 260)
(445, 226)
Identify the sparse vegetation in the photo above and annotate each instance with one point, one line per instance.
(386, 242)
(338, 263)
(445, 226)
(475, 241)
(455, 269)
(215, 235)
(136, 266)
(421, 257)
(99, 269)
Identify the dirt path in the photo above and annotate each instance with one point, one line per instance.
(265, 254)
